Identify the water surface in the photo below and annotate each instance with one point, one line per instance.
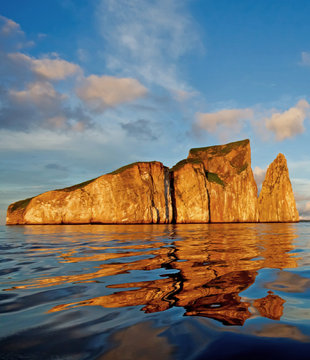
(213, 291)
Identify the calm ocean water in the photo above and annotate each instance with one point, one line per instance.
(220, 291)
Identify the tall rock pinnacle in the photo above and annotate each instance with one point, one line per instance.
(276, 202)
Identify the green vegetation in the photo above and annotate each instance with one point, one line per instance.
(212, 177)
(121, 169)
(77, 186)
(218, 150)
(22, 204)
(181, 163)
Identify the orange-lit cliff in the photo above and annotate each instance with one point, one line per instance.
(214, 184)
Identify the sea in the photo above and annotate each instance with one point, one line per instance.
(204, 291)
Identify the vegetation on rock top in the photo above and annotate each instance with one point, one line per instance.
(218, 150)
(22, 204)
(77, 186)
(181, 163)
(123, 168)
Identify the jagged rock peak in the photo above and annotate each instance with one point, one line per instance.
(276, 202)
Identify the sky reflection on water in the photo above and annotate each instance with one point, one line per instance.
(174, 291)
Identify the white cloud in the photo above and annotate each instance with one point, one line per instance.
(39, 93)
(52, 69)
(231, 119)
(304, 210)
(101, 92)
(9, 26)
(145, 39)
(259, 175)
(305, 58)
(290, 122)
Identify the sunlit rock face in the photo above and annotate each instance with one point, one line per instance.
(231, 185)
(276, 202)
(137, 193)
(214, 184)
(189, 192)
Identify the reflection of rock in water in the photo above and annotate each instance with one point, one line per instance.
(270, 306)
(209, 265)
(225, 304)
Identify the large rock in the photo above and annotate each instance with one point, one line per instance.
(276, 202)
(137, 193)
(189, 192)
(214, 184)
(231, 185)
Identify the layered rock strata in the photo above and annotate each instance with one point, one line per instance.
(231, 185)
(214, 184)
(137, 193)
(276, 202)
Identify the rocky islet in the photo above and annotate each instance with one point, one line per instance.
(214, 184)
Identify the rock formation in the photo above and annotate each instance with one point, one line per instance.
(214, 184)
(137, 193)
(231, 185)
(276, 202)
(189, 192)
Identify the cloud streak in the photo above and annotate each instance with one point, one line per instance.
(305, 58)
(232, 119)
(290, 122)
(102, 92)
(259, 175)
(146, 39)
(51, 69)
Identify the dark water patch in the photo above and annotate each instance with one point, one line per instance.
(8, 271)
(241, 347)
(40, 298)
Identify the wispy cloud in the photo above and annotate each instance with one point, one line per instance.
(305, 58)
(8, 26)
(101, 92)
(48, 68)
(304, 210)
(140, 129)
(290, 122)
(36, 92)
(259, 175)
(145, 39)
(228, 118)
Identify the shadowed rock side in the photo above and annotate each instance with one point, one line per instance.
(189, 192)
(137, 193)
(276, 202)
(231, 185)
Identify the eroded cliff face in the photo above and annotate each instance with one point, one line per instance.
(214, 184)
(189, 192)
(276, 202)
(137, 193)
(231, 185)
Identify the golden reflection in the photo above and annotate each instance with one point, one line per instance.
(212, 265)
(271, 306)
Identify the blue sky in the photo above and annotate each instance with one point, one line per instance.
(88, 86)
